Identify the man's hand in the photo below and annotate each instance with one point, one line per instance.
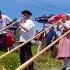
(23, 27)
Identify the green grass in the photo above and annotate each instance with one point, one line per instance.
(45, 62)
(11, 62)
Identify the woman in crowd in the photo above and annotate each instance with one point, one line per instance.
(64, 43)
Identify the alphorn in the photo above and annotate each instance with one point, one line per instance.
(40, 53)
(7, 53)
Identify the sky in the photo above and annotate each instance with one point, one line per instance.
(12, 8)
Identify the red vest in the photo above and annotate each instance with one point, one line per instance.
(9, 39)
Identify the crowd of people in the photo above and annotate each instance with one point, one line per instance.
(27, 31)
(62, 48)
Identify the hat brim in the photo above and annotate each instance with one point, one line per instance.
(26, 12)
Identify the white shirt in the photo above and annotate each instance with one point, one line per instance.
(58, 32)
(3, 22)
(24, 36)
(47, 25)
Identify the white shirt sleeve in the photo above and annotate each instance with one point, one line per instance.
(6, 19)
(29, 24)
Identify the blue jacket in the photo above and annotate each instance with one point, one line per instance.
(50, 35)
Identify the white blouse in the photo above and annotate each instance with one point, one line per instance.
(24, 36)
(66, 24)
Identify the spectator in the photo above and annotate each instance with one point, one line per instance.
(64, 44)
(50, 37)
(4, 21)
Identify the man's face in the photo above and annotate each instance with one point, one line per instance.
(26, 16)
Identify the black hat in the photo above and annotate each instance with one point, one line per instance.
(26, 11)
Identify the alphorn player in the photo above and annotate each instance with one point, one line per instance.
(27, 28)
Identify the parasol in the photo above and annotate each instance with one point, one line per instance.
(44, 18)
(56, 18)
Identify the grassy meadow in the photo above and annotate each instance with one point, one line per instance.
(12, 61)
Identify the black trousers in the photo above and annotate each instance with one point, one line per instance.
(26, 54)
(2, 42)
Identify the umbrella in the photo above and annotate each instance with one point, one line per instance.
(44, 18)
(56, 18)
